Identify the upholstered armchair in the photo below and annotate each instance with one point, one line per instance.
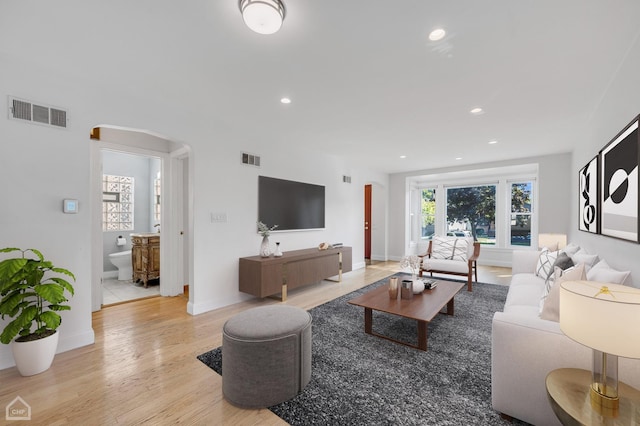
(451, 255)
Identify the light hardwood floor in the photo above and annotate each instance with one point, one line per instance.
(143, 369)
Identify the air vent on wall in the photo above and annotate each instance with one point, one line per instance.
(346, 179)
(20, 109)
(250, 159)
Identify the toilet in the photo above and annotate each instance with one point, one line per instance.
(122, 260)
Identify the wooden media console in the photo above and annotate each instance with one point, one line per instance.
(267, 276)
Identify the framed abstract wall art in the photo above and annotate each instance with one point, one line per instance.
(619, 184)
(588, 197)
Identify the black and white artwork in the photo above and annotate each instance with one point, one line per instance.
(588, 197)
(619, 190)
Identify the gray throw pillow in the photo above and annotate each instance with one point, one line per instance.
(563, 261)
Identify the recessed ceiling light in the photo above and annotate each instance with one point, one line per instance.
(285, 100)
(458, 158)
(403, 156)
(477, 111)
(437, 34)
(493, 142)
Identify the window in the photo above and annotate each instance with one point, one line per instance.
(117, 203)
(521, 202)
(471, 211)
(428, 205)
(156, 199)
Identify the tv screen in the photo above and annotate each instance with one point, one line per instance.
(290, 205)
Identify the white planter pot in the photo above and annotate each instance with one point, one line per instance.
(35, 356)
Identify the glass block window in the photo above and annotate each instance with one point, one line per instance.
(117, 203)
(156, 200)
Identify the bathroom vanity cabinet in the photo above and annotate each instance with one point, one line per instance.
(145, 257)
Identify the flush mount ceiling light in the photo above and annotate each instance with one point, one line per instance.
(262, 16)
(437, 34)
(285, 100)
(477, 111)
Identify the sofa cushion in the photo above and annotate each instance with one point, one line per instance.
(524, 290)
(602, 272)
(522, 310)
(445, 265)
(547, 258)
(550, 309)
(450, 248)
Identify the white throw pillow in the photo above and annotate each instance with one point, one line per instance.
(440, 248)
(449, 248)
(582, 256)
(571, 249)
(550, 305)
(547, 258)
(460, 248)
(602, 272)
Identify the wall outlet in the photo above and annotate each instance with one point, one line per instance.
(218, 217)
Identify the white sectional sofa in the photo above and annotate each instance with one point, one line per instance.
(525, 348)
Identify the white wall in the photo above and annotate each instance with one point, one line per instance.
(619, 105)
(554, 191)
(41, 166)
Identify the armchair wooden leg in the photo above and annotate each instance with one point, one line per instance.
(469, 286)
(475, 269)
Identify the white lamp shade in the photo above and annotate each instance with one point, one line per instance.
(262, 16)
(602, 316)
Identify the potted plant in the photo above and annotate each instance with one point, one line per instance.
(31, 292)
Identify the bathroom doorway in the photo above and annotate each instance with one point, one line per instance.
(155, 172)
(131, 215)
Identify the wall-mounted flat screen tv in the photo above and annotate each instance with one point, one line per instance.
(290, 205)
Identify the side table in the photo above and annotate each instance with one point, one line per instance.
(568, 392)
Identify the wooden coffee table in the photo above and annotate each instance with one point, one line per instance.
(421, 307)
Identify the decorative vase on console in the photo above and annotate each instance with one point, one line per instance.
(264, 230)
(265, 250)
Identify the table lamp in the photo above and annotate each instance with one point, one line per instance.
(606, 318)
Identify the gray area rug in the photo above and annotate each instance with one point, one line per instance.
(359, 379)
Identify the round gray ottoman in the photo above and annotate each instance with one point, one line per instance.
(266, 355)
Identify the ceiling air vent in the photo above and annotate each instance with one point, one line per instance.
(20, 109)
(250, 159)
(346, 179)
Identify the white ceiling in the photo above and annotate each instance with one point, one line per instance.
(363, 77)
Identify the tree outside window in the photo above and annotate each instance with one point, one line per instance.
(521, 201)
(471, 211)
(428, 228)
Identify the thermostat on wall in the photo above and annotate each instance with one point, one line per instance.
(70, 206)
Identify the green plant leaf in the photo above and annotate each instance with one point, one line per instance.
(51, 319)
(64, 283)
(22, 321)
(11, 302)
(52, 293)
(64, 271)
(11, 272)
(9, 249)
(59, 307)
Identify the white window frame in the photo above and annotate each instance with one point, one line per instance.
(502, 178)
